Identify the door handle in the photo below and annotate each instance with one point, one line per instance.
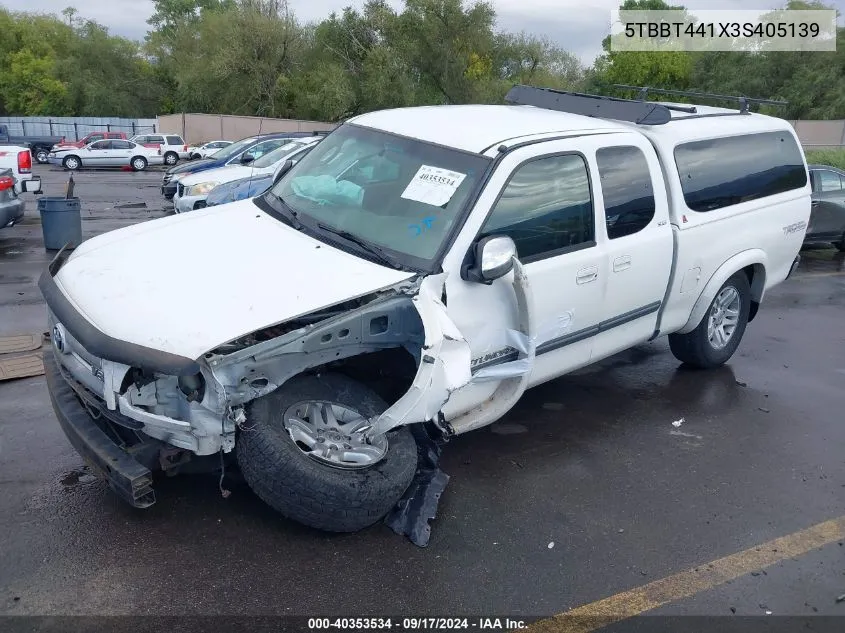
(621, 263)
(586, 275)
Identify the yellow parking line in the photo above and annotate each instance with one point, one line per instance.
(595, 615)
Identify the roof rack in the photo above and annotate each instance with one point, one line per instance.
(743, 101)
(641, 112)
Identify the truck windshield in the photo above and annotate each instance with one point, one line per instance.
(401, 194)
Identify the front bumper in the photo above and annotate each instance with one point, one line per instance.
(187, 203)
(11, 211)
(94, 439)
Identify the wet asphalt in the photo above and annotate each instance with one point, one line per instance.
(590, 462)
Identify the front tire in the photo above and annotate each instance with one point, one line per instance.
(171, 158)
(72, 163)
(720, 331)
(298, 478)
(139, 163)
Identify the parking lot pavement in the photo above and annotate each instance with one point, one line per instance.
(22, 254)
(584, 492)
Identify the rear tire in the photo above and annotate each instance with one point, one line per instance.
(310, 491)
(708, 345)
(171, 158)
(41, 155)
(139, 163)
(72, 163)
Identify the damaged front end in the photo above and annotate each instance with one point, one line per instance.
(399, 340)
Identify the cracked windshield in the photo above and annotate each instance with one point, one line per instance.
(398, 193)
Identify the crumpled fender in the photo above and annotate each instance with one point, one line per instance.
(444, 365)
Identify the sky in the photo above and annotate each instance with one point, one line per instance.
(577, 25)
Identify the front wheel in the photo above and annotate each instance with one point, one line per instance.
(139, 163)
(720, 331)
(302, 452)
(72, 163)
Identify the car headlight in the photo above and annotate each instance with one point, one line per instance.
(200, 189)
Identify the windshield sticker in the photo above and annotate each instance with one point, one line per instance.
(433, 185)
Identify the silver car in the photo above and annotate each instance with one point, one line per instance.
(107, 153)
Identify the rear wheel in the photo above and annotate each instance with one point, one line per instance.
(303, 452)
(41, 155)
(171, 158)
(139, 163)
(72, 163)
(720, 331)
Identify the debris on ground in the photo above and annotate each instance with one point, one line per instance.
(551, 545)
(840, 598)
(678, 423)
(741, 384)
(763, 409)
(411, 515)
(552, 406)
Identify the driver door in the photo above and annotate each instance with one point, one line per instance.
(97, 154)
(542, 197)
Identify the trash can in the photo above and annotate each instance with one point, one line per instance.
(61, 221)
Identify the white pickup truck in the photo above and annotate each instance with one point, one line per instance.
(419, 269)
(18, 159)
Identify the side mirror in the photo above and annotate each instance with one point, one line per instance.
(492, 258)
(246, 159)
(285, 168)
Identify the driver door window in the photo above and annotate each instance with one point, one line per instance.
(546, 208)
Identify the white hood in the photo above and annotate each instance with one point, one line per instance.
(224, 174)
(188, 283)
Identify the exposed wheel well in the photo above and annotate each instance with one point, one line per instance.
(756, 274)
(388, 372)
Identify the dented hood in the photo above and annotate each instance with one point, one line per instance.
(188, 283)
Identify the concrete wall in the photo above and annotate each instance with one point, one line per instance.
(199, 128)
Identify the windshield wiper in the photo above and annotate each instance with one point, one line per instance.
(285, 211)
(382, 255)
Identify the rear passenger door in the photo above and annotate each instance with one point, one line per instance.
(633, 219)
(121, 152)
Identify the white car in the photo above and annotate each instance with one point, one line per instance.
(108, 153)
(410, 278)
(193, 189)
(172, 146)
(207, 149)
(19, 160)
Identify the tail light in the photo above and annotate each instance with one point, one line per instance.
(6, 183)
(25, 162)
(184, 148)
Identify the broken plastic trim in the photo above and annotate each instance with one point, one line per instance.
(411, 515)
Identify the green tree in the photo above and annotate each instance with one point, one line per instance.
(28, 88)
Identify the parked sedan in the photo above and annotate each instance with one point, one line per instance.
(827, 218)
(192, 190)
(206, 150)
(254, 185)
(11, 207)
(108, 153)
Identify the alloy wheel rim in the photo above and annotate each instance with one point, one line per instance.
(724, 317)
(333, 434)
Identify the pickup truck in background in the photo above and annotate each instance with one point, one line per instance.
(40, 146)
(90, 138)
(18, 160)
